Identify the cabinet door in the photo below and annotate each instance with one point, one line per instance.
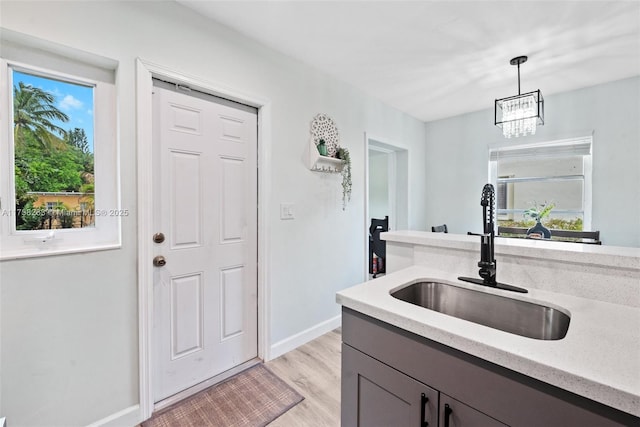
(456, 414)
(374, 394)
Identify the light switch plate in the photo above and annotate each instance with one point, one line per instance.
(287, 211)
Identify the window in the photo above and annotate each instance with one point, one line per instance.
(58, 162)
(53, 150)
(533, 176)
(504, 198)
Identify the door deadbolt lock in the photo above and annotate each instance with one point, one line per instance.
(159, 261)
(158, 237)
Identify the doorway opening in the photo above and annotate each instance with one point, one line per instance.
(387, 188)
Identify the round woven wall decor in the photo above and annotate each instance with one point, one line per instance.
(323, 127)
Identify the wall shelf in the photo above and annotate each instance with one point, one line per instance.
(318, 163)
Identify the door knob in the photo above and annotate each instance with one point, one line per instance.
(159, 261)
(158, 237)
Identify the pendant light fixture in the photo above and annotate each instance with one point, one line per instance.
(519, 115)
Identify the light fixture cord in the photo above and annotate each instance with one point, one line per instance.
(518, 77)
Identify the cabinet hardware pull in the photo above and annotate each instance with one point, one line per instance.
(447, 414)
(423, 402)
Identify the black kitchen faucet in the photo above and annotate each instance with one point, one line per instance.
(487, 262)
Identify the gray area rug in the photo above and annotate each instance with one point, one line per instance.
(254, 397)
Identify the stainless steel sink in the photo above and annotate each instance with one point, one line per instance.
(507, 314)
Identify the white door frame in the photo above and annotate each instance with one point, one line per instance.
(391, 148)
(145, 71)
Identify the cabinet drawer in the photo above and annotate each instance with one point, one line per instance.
(376, 395)
(456, 414)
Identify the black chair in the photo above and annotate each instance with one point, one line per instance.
(440, 228)
(377, 246)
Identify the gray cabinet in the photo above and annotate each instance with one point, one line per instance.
(385, 371)
(376, 395)
(379, 396)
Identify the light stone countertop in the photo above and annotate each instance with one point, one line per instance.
(599, 358)
(603, 255)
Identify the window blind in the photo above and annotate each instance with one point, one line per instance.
(562, 148)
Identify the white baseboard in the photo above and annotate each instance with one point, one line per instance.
(295, 341)
(128, 417)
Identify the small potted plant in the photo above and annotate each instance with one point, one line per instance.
(322, 147)
(343, 154)
(539, 231)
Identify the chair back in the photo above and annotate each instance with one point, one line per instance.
(378, 226)
(439, 228)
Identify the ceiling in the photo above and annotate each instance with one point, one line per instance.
(437, 59)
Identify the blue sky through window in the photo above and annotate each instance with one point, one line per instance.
(76, 101)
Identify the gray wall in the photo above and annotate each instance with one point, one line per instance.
(69, 325)
(457, 158)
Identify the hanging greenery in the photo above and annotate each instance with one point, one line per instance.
(343, 154)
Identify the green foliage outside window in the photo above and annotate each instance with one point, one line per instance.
(542, 213)
(48, 158)
(551, 223)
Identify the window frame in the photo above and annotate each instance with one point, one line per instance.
(508, 190)
(583, 146)
(106, 233)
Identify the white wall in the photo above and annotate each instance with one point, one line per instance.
(457, 158)
(378, 185)
(69, 323)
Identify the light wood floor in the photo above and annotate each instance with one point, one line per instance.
(314, 371)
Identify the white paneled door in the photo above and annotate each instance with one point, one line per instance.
(205, 207)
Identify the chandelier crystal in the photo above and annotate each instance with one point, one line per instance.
(519, 115)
